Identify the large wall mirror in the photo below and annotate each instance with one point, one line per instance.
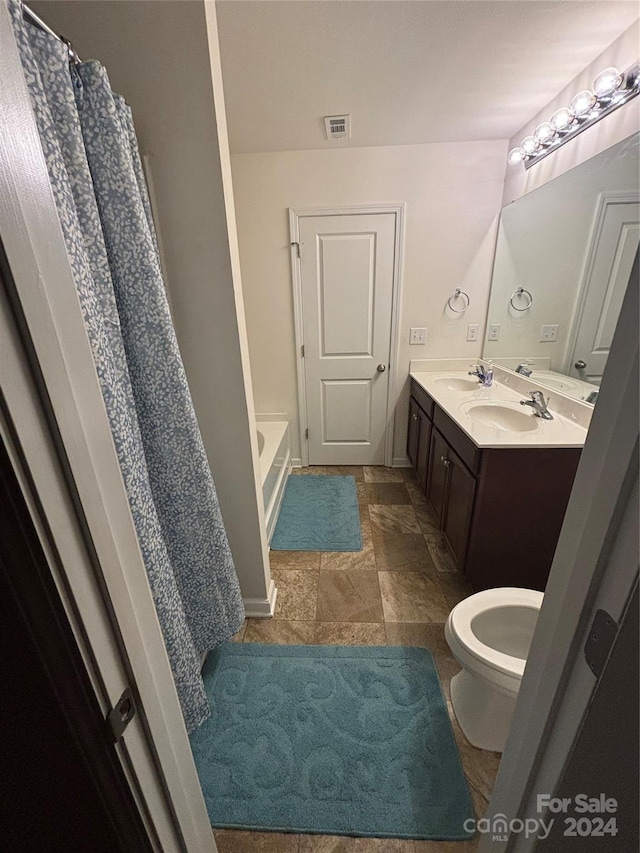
(563, 262)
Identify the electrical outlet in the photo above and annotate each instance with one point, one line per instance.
(494, 332)
(418, 336)
(549, 333)
(472, 332)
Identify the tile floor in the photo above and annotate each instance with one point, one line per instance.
(397, 591)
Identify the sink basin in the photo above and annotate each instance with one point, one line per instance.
(564, 385)
(456, 383)
(504, 416)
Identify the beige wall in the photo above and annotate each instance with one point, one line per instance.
(614, 128)
(157, 55)
(452, 193)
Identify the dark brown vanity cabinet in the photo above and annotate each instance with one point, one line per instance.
(451, 491)
(500, 509)
(438, 475)
(418, 438)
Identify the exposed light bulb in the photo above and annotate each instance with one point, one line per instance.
(611, 89)
(529, 145)
(516, 155)
(607, 82)
(544, 133)
(583, 103)
(561, 119)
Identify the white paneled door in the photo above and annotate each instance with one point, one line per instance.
(613, 256)
(347, 274)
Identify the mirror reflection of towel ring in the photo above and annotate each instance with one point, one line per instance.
(521, 292)
(459, 293)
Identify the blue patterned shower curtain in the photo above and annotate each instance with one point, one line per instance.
(91, 150)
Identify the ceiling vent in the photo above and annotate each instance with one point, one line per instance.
(338, 127)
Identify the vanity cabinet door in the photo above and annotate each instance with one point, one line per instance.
(424, 447)
(418, 440)
(412, 432)
(451, 491)
(459, 507)
(438, 471)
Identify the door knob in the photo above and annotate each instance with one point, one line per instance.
(382, 368)
(580, 365)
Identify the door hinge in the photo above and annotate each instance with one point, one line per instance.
(120, 716)
(302, 350)
(306, 433)
(600, 641)
(297, 245)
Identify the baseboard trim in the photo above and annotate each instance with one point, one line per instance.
(398, 462)
(262, 608)
(401, 462)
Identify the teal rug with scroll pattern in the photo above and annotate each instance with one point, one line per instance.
(319, 513)
(338, 740)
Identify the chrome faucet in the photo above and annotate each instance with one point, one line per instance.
(523, 368)
(484, 374)
(539, 405)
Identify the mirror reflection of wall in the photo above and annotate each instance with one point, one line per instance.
(571, 244)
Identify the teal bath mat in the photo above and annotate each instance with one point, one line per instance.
(319, 513)
(338, 740)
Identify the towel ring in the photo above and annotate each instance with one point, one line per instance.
(457, 292)
(519, 292)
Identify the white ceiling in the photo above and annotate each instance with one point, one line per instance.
(408, 72)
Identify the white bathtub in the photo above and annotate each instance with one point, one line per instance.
(275, 466)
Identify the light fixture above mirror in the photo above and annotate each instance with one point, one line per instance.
(611, 89)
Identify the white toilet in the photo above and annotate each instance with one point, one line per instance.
(489, 634)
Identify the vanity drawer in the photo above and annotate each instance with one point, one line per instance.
(422, 399)
(463, 446)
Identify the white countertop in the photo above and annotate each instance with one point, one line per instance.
(560, 432)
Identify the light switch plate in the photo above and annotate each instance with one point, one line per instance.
(549, 333)
(417, 336)
(472, 332)
(493, 333)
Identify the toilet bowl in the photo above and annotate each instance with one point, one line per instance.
(489, 634)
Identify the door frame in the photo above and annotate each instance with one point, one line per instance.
(604, 200)
(398, 209)
(59, 671)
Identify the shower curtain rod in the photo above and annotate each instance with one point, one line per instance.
(31, 16)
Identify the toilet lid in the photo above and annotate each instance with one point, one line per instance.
(462, 615)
